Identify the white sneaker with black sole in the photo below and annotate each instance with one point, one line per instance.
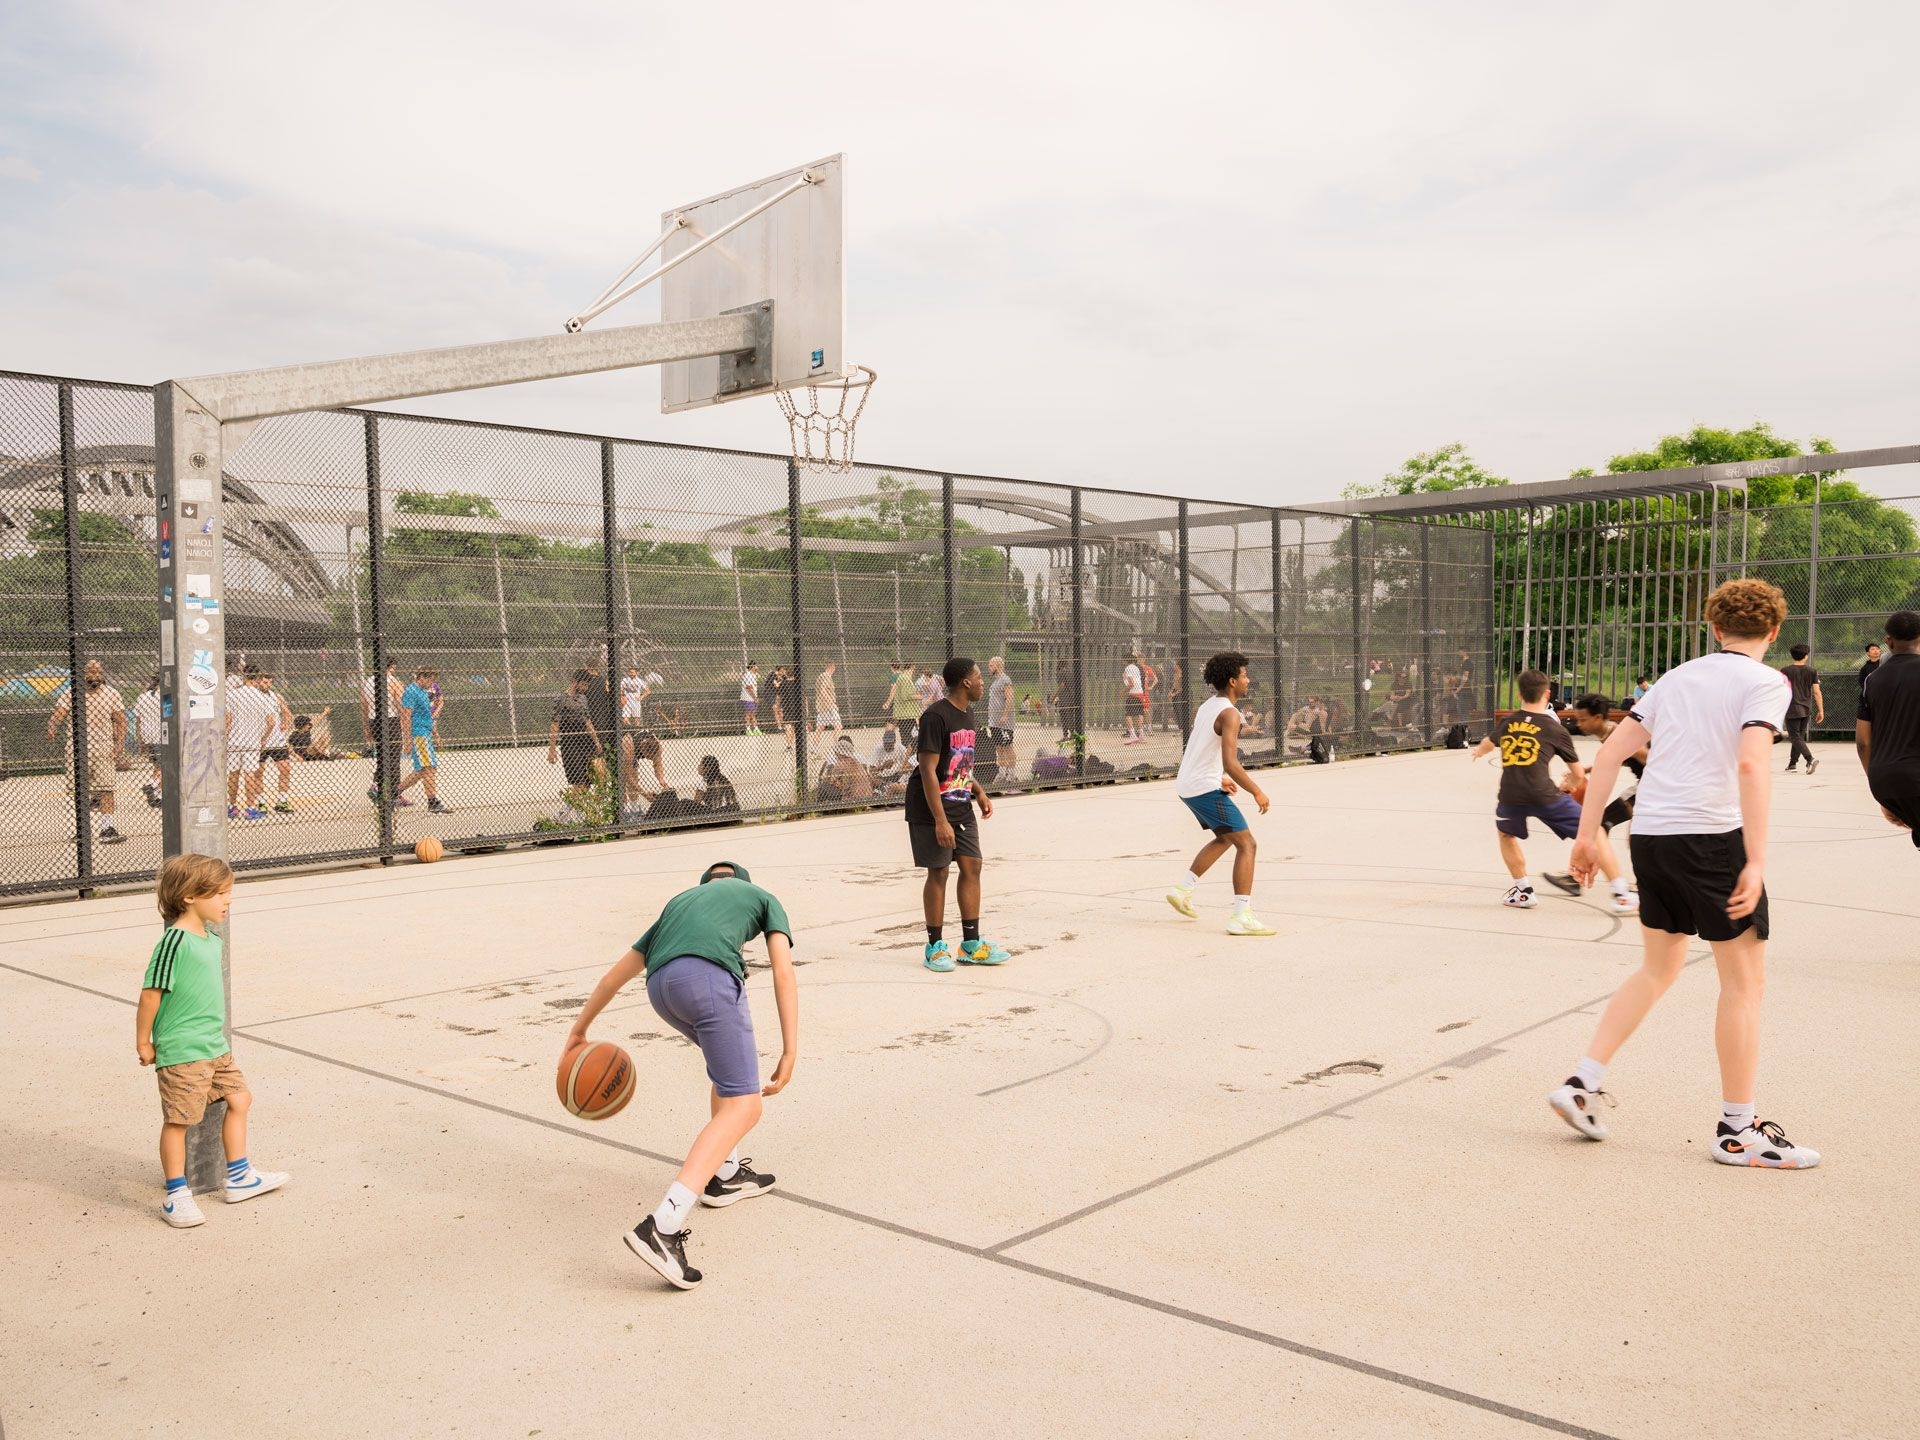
(1763, 1145)
(745, 1184)
(1578, 1106)
(1520, 897)
(665, 1253)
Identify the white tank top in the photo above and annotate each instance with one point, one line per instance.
(1203, 767)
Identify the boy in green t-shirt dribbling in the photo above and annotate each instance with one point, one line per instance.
(696, 982)
(180, 1027)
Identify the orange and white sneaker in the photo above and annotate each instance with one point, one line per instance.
(1578, 1106)
(1763, 1145)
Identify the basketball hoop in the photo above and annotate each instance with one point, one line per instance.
(822, 433)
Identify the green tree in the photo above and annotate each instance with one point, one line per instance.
(1448, 468)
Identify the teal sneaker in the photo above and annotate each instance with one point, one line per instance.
(939, 957)
(982, 952)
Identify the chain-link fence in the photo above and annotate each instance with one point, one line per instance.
(581, 637)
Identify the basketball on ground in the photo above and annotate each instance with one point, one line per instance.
(428, 849)
(595, 1080)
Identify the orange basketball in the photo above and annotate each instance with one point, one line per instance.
(428, 849)
(595, 1080)
(1579, 794)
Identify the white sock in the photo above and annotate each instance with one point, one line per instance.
(1736, 1117)
(1590, 1072)
(671, 1217)
(1524, 884)
(1191, 881)
(1242, 904)
(730, 1166)
(1619, 884)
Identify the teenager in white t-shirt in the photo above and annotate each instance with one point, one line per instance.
(1133, 680)
(1699, 851)
(1210, 773)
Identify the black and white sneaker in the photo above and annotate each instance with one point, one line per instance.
(665, 1253)
(1812, 765)
(435, 807)
(1576, 1105)
(746, 1183)
(1763, 1145)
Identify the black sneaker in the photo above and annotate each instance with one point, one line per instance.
(1562, 882)
(745, 1184)
(111, 836)
(665, 1253)
(434, 807)
(1812, 765)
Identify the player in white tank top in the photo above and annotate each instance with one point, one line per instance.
(1210, 775)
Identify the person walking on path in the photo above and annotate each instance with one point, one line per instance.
(826, 701)
(1807, 703)
(1210, 776)
(106, 724)
(750, 698)
(572, 738)
(1000, 718)
(419, 712)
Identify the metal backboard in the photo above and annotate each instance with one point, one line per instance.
(793, 256)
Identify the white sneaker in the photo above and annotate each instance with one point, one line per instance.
(1574, 1103)
(1181, 898)
(258, 1182)
(1520, 898)
(1248, 923)
(1624, 902)
(178, 1209)
(1763, 1145)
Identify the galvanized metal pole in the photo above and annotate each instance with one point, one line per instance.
(1813, 563)
(1274, 602)
(506, 645)
(1186, 610)
(353, 589)
(386, 762)
(77, 741)
(189, 504)
(1426, 633)
(800, 787)
(949, 564)
(1076, 692)
(610, 614)
(1525, 658)
(1493, 623)
(1359, 658)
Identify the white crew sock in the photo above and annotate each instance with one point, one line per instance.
(730, 1166)
(1736, 1117)
(671, 1217)
(1242, 904)
(1191, 881)
(1590, 1072)
(1619, 884)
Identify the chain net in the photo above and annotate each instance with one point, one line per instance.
(822, 431)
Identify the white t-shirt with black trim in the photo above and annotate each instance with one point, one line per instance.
(1695, 715)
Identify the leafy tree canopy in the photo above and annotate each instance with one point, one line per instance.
(1707, 445)
(1448, 468)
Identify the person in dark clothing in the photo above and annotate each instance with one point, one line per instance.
(1887, 733)
(1872, 663)
(1807, 705)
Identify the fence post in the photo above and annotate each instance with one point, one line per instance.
(609, 557)
(76, 688)
(1076, 701)
(1813, 564)
(386, 763)
(1280, 710)
(794, 614)
(1493, 622)
(1186, 616)
(1359, 661)
(949, 563)
(1426, 632)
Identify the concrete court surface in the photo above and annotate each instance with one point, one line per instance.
(1146, 1180)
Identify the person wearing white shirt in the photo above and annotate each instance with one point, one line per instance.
(1210, 775)
(1133, 682)
(150, 726)
(1699, 851)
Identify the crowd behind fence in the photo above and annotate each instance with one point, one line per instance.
(591, 636)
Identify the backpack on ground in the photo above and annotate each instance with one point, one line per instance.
(1456, 737)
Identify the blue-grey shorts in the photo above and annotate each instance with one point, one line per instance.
(1216, 812)
(1562, 817)
(707, 1003)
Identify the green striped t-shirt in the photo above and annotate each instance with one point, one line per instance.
(192, 1023)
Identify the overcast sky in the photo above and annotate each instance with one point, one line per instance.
(1237, 251)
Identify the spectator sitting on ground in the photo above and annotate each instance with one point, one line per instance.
(1250, 721)
(843, 777)
(312, 737)
(716, 794)
(1029, 705)
(889, 757)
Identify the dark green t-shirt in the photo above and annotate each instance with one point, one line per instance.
(192, 1020)
(713, 921)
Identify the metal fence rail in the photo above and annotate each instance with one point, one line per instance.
(493, 567)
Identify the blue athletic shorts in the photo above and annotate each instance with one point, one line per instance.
(1562, 817)
(1216, 812)
(707, 1003)
(423, 757)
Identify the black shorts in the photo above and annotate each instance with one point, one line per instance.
(1685, 880)
(279, 752)
(1136, 705)
(1899, 791)
(1000, 734)
(928, 853)
(155, 754)
(577, 755)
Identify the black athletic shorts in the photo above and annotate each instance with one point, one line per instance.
(1685, 880)
(1001, 735)
(1899, 791)
(1618, 812)
(577, 754)
(928, 853)
(279, 752)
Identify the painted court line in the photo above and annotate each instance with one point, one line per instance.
(992, 1255)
